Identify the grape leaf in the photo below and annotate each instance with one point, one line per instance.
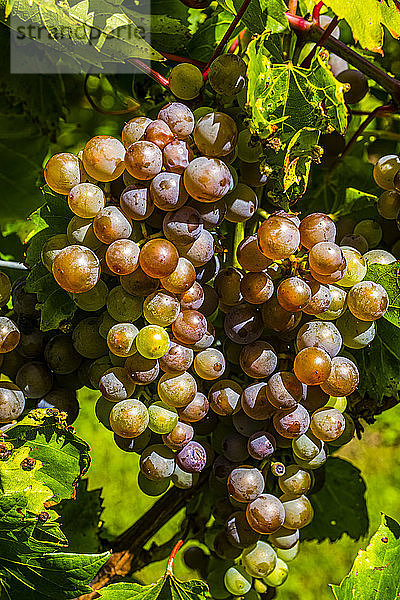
(388, 276)
(167, 588)
(379, 363)
(376, 570)
(260, 15)
(209, 34)
(367, 18)
(80, 518)
(64, 456)
(354, 203)
(300, 152)
(339, 505)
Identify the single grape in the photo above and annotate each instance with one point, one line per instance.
(162, 417)
(370, 230)
(237, 581)
(12, 402)
(189, 327)
(176, 156)
(177, 389)
(367, 300)
(241, 203)
(181, 279)
(178, 358)
(159, 133)
(183, 226)
(379, 257)
(207, 179)
(80, 232)
(357, 82)
(327, 424)
(183, 480)
(122, 257)
(61, 356)
(34, 379)
(284, 539)
(158, 258)
(121, 339)
(277, 318)
(284, 390)
(385, 171)
(209, 364)
(388, 204)
(123, 307)
(31, 344)
(227, 74)
(9, 335)
(215, 578)
(258, 360)
(116, 385)
(261, 445)
(138, 283)
(337, 304)
(196, 410)
(161, 308)
(133, 130)
(152, 341)
(110, 224)
(227, 285)
(250, 257)
(157, 462)
(314, 463)
(343, 378)
(325, 258)
(279, 575)
(312, 366)
(76, 269)
(288, 555)
(86, 199)
(136, 203)
(179, 118)
(95, 370)
(278, 237)
(192, 299)
(62, 172)
(50, 250)
(292, 423)
(143, 160)
(259, 560)
(316, 227)
(179, 436)
(356, 241)
(200, 252)
(167, 191)
(265, 514)
(103, 158)
(94, 299)
(213, 214)
(298, 511)
(185, 81)
(295, 480)
(215, 134)
(320, 298)
(192, 458)
(256, 288)
(243, 324)
(152, 488)
(224, 397)
(255, 403)
(320, 334)
(355, 333)
(293, 294)
(249, 147)
(223, 548)
(247, 426)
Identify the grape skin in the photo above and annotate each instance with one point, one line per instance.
(76, 269)
(12, 402)
(62, 172)
(207, 179)
(284, 390)
(227, 74)
(327, 424)
(343, 378)
(110, 225)
(103, 158)
(278, 237)
(143, 160)
(85, 200)
(185, 81)
(293, 423)
(265, 514)
(259, 560)
(179, 118)
(320, 334)
(298, 511)
(245, 483)
(167, 191)
(215, 134)
(368, 300)
(136, 203)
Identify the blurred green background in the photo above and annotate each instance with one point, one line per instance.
(377, 455)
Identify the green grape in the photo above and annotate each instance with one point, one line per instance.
(177, 389)
(121, 339)
(129, 418)
(209, 364)
(110, 224)
(133, 130)
(279, 575)
(122, 306)
(368, 300)
(50, 250)
(12, 402)
(259, 560)
(249, 149)
(356, 267)
(379, 257)
(152, 488)
(34, 379)
(186, 81)
(207, 179)
(105, 323)
(312, 463)
(162, 417)
(338, 402)
(138, 283)
(370, 230)
(9, 335)
(93, 299)
(284, 539)
(241, 203)
(201, 111)
(355, 333)
(103, 158)
(86, 199)
(61, 356)
(80, 232)
(157, 462)
(306, 446)
(62, 172)
(116, 385)
(327, 424)
(265, 514)
(215, 582)
(161, 308)
(215, 134)
(385, 171)
(237, 581)
(289, 554)
(183, 480)
(87, 340)
(152, 341)
(298, 511)
(227, 74)
(97, 369)
(76, 269)
(295, 480)
(388, 204)
(337, 304)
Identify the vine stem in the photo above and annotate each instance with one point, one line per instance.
(12, 264)
(183, 59)
(226, 37)
(172, 557)
(151, 72)
(315, 13)
(103, 111)
(238, 237)
(327, 32)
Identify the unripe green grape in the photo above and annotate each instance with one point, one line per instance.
(157, 462)
(87, 340)
(76, 269)
(105, 323)
(209, 364)
(279, 575)
(50, 250)
(298, 511)
(80, 232)
(201, 111)
(162, 417)
(355, 333)
(129, 418)
(237, 581)
(61, 356)
(283, 539)
(183, 480)
(241, 204)
(12, 402)
(312, 463)
(177, 389)
(34, 379)
(93, 299)
(9, 335)
(306, 446)
(249, 151)
(227, 74)
(161, 308)
(62, 172)
(122, 306)
(385, 171)
(259, 560)
(121, 339)
(338, 402)
(295, 480)
(388, 204)
(103, 158)
(289, 554)
(356, 267)
(186, 81)
(152, 341)
(370, 230)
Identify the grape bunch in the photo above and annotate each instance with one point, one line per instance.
(217, 333)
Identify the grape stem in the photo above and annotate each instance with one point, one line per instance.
(237, 238)
(307, 61)
(311, 31)
(315, 13)
(151, 72)
(183, 59)
(12, 264)
(172, 557)
(226, 37)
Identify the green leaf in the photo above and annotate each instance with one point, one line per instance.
(64, 456)
(376, 570)
(261, 15)
(209, 34)
(355, 203)
(300, 152)
(340, 505)
(379, 364)
(166, 32)
(366, 19)
(80, 518)
(167, 588)
(388, 276)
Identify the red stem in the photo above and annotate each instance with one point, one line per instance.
(307, 61)
(183, 59)
(292, 6)
(151, 72)
(172, 557)
(316, 11)
(234, 45)
(226, 37)
(298, 23)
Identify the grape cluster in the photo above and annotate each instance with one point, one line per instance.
(213, 330)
